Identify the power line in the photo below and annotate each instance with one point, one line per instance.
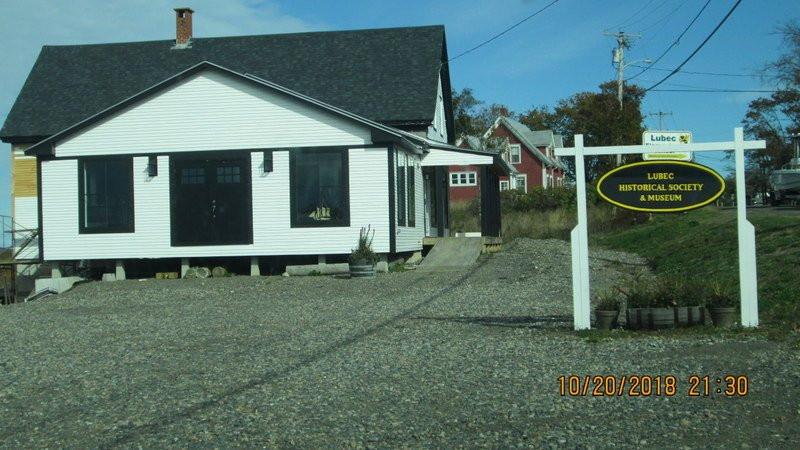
(653, 11)
(697, 73)
(689, 86)
(632, 16)
(663, 21)
(674, 71)
(677, 40)
(660, 115)
(504, 31)
(754, 91)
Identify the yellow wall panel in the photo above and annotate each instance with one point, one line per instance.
(23, 175)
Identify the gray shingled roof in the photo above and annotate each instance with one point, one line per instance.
(386, 75)
(473, 142)
(531, 139)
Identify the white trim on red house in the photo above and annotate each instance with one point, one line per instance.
(463, 179)
(518, 148)
(524, 185)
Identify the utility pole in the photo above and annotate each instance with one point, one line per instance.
(660, 117)
(619, 58)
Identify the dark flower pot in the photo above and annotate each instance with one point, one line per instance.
(650, 318)
(606, 320)
(687, 316)
(662, 318)
(362, 270)
(637, 318)
(723, 317)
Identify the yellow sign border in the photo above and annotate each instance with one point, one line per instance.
(641, 163)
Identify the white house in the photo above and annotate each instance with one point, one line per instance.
(220, 160)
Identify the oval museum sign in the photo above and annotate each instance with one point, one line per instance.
(661, 186)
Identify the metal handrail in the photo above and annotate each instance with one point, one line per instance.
(29, 235)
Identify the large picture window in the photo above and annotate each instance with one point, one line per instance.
(106, 195)
(319, 188)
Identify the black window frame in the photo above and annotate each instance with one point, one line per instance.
(130, 226)
(411, 192)
(401, 190)
(294, 220)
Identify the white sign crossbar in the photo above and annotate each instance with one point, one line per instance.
(638, 149)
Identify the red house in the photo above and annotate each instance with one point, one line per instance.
(531, 153)
(463, 180)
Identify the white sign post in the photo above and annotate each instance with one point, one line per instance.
(748, 281)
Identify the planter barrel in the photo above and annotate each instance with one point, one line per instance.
(723, 317)
(687, 316)
(362, 270)
(650, 318)
(637, 318)
(662, 318)
(606, 320)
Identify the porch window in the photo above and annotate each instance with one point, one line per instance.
(105, 187)
(319, 193)
(463, 179)
(503, 185)
(516, 156)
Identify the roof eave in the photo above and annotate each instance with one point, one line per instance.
(47, 145)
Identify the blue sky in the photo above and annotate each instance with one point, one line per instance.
(551, 56)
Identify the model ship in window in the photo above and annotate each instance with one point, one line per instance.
(321, 213)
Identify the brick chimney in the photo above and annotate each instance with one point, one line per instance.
(183, 27)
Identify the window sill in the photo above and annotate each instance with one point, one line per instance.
(320, 225)
(107, 231)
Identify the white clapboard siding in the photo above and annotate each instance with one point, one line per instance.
(410, 238)
(272, 233)
(439, 157)
(437, 131)
(213, 111)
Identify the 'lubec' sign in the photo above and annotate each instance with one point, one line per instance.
(661, 186)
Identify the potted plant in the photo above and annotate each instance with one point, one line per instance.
(606, 310)
(689, 310)
(639, 302)
(721, 305)
(363, 258)
(663, 303)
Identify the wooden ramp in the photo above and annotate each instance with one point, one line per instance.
(452, 253)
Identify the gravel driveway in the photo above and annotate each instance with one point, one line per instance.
(405, 360)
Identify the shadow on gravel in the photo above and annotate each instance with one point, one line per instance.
(535, 322)
(124, 435)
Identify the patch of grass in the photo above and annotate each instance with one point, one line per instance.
(464, 217)
(534, 224)
(703, 245)
(398, 268)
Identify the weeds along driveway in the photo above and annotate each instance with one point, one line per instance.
(408, 359)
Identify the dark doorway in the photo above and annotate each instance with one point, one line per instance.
(211, 199)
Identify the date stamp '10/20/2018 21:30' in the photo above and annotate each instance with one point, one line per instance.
(652, 385)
